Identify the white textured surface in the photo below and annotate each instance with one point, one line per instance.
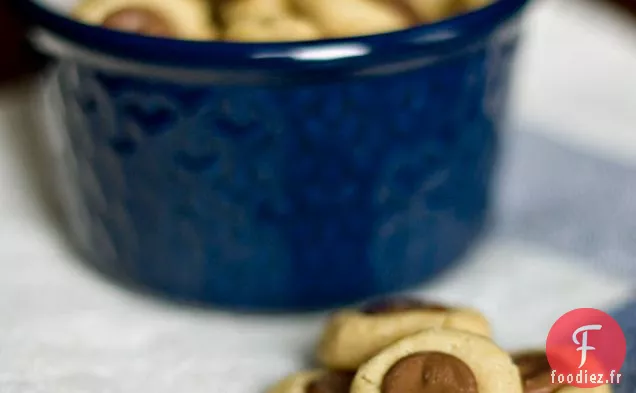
(64, 330)
(577, 77)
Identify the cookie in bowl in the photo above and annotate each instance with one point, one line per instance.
(267, 20)
(231, 11)
(439, 360)
(179, 19)
(353, 336)
(316, 381)
(352, 17)
(431, 10)
(471, 5)
(283, 28)
(536, 375)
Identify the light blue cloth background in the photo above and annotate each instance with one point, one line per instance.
(627, 319)
(558, 197)
(568, 200)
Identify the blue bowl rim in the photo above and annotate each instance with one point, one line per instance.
(441, 37)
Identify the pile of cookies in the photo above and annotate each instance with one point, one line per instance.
(404, 345)
(267, 20)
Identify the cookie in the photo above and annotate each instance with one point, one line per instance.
(183, 19)
(470, 5)
(536, 375)
(439, 360)
(317, 381)
(271, 29)
(350, 18)
(351, 337)
(232, 11)
(571, 389)
(434, 10)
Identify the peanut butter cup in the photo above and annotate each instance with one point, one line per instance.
(139, 20)
(535, 372)
(331, 382)
(429, 372)
(178, 19)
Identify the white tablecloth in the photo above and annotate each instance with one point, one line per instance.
(65, 330)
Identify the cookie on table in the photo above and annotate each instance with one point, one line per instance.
(439, 360)
(316, 381)
(353, 336)
(350, 18)
(271, 29)
(572, 389)
(182, 19)
(536, 375)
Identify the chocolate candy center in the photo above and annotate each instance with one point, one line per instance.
(400, 304)
(331, 382)
(429, 372)
(535, 373)
(139, 20)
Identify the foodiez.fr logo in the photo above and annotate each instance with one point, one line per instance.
(586, 348)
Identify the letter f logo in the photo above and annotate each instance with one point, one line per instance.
(583, 343)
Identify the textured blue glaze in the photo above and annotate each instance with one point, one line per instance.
(287, 195)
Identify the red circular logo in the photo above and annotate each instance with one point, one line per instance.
(586, 348)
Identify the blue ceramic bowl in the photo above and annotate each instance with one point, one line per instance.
(281, 176)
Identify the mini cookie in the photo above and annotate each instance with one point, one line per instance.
(350, 18)
(571, 389)
(184, 19)
(351, 337)
(433, 10)
(271, 29)
(232, 11)
(470, 5)
(317, 381)
(536, 375)
(439, 360)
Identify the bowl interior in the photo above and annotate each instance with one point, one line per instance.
(63, 7)
(343, 55)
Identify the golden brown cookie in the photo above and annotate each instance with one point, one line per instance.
(599, 389)
(317, 381)
(351, 337)
(232, 11)
(536, 375)
(439, 360)
(434, 10)
(350, 18)
(271, 29)
(470, 5)
(183, 19)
